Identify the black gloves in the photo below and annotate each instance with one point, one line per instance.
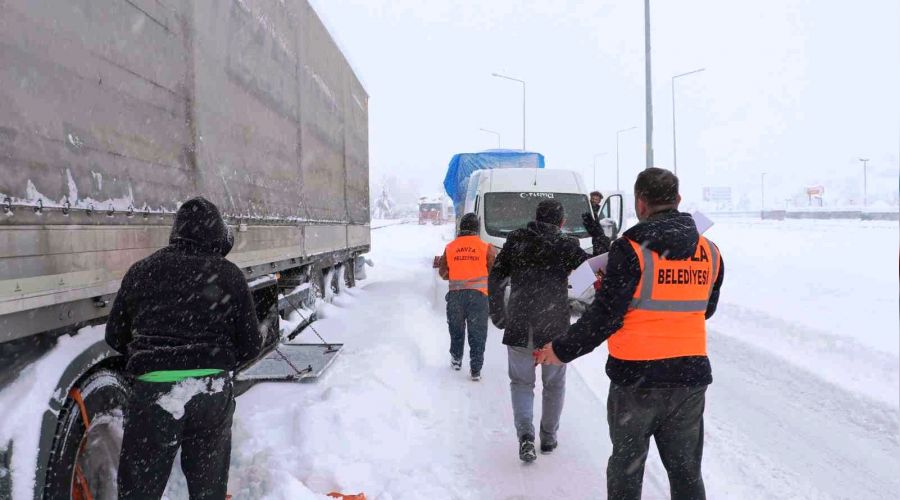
(590, 224)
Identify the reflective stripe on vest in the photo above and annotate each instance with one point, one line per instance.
(667, 315)
(467, 262)
(645, 301)
(472, 284)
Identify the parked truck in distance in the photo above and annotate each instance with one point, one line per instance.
(434, 210)
(111, 116)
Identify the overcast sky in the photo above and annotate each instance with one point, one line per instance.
(797, 88)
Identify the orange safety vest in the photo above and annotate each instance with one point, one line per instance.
(667, 315)
(467, 261)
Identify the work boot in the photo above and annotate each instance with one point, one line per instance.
(527, 453)
(548, 445)
(455, 363)
(476, 375)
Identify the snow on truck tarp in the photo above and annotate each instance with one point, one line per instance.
(250, 104)
(464, 164)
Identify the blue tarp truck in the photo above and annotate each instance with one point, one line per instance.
(462, 166)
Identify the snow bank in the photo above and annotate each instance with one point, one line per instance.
(821, 294)
(24, 401)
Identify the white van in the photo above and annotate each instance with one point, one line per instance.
(505, 200)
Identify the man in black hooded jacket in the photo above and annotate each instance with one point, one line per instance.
(658, 388)
(184, 318)
(536, 262)
(591, 220)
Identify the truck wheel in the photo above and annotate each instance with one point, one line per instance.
(349, 273)
(85, 456)
(314, 278)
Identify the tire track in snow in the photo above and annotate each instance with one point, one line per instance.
(791, 434)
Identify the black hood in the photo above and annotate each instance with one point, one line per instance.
(199, 224)
(671, 233)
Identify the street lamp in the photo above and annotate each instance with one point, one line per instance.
(674, 143)
(598, 155)
(762, 186)
(648, 86)
(619, 132)
(865, 162)
(492, 132)
(523, 102)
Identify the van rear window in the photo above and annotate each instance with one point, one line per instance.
(505, 212)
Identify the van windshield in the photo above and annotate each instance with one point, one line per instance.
(505, 212)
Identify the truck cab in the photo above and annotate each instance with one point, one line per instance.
(506, 199)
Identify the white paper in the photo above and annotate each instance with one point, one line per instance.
(599, 262)
(584, 276)
(581, 279)
(703, 222)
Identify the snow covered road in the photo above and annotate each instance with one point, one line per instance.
(391, 419)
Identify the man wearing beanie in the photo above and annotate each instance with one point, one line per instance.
(535, 263)
(184, 318)
(466, 262)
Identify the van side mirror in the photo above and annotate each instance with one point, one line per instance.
(611, 215)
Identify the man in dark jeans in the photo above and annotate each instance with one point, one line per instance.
(535, 263)
(662, 283)
(184, 318)
(466, 262)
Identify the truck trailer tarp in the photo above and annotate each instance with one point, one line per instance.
(462, 166)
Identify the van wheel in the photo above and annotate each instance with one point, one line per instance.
(85, 456)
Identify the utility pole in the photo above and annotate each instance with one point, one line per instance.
(865, 162)
(674, 142)
(762, 186)
(523, 102)
(648, 84)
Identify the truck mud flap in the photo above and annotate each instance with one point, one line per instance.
(291, 363)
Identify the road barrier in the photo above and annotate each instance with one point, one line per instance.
(810, 214)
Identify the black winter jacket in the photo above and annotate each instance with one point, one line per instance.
(675, 235)
(535, 262)
(185, 306)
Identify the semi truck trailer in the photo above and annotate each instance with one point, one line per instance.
(112, 113)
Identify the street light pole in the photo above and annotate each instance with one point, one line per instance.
(762, 185)
(648, 84)
(674, 142)
(523, 102)
(865, 162)
(598, 155)
(492, 132)
(619, 132)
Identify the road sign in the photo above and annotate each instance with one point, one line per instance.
(719, 194)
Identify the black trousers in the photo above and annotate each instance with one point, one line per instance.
(194, 415)
(674, 418)
(468, 310)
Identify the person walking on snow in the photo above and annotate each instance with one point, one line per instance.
(466, 262)
(184, 318)
(662, 283)
(535, 263)
(591, 221)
